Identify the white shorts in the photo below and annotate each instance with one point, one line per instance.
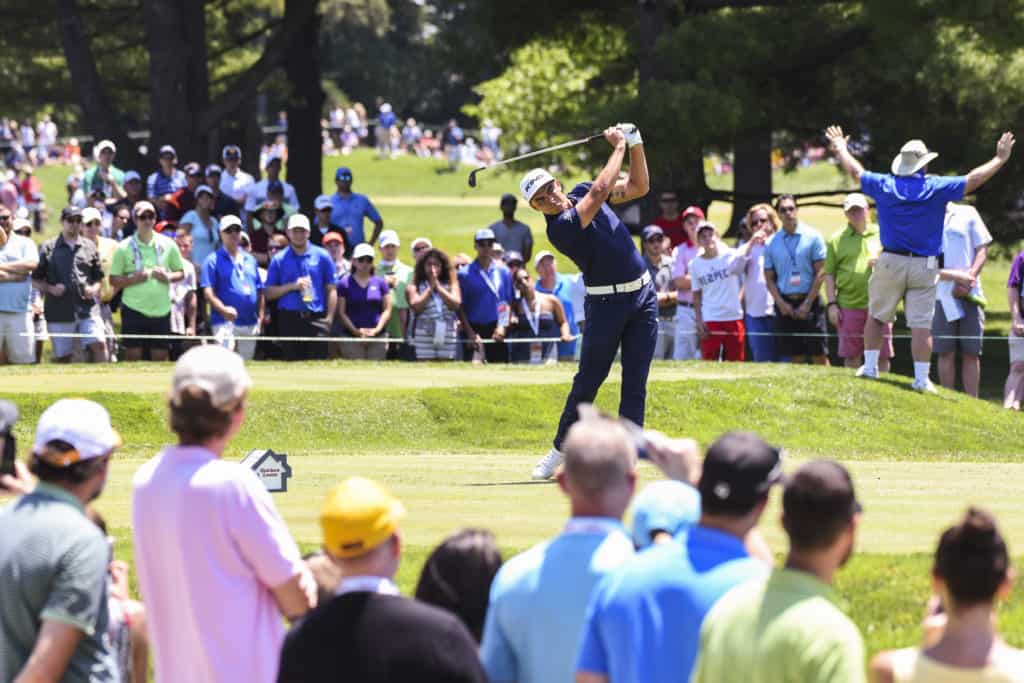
(17, 337)
(63, 347)
(246, 348)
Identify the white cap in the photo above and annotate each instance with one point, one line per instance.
(214, 369)
(533, 181)
(204, 188)
(102, 145)
(855, 199)
(541, 255)
(362, 250)
(83, 424)
(229, 221)
(422, 240)
(389, 237)
(20, 223)
(90, 214)
(483, 234)
(298, 221)
(385, 108)
(322, 202)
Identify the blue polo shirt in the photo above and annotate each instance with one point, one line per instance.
(604, 251)
(563, 290)
(912, 209)
(792, 255)
(349, 212)
(538, 600)
(236, 282)
(288, 267)
(481, 299)
(643, 621)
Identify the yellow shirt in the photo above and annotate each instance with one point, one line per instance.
(106, 248)
(910, 666)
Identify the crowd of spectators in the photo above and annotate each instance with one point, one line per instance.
(691, 592)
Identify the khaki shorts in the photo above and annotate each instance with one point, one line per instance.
(906, 278)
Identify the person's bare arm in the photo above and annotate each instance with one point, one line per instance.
(780, 302)
(603, 185)
(980, 257)
(332, 305)
(1016, 322)
(385, 316)
(839, 145)
(122, 281)
(275, 292)
(815, 291)
(217, 305)
(261, 307)
(637, 182)
(19, 267)
(51, 654)
(880, 669)
(377, 227)
(590, 677)
(698, 314)
(452, 298)
(296, 596)
(346, 322)
(982, 174)
(830, 288)
(417, 300)
(191, 313)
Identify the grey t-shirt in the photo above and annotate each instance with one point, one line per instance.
(53, 566)
(515, 237)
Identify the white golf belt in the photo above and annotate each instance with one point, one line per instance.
(622, 287)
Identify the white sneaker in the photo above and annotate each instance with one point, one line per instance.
(546, 466)
(863, 371)
(925, 387)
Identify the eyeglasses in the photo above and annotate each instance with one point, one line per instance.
(146, 216)
(364, 259)
(167, 157)
(326, 208)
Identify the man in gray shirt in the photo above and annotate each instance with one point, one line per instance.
(510, 233)
(53, 559)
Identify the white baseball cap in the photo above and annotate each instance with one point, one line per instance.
(102, 145)
(362, 250)
(20, 223)
(322, 202)
(204, 188)
(483, 234)
(214, 369)
(298, 221)
(389, 237)
(230, 221)
(855, 199)
(533, 181)
(83, 424)
(540, 257)
(422, 240)
(90, 214)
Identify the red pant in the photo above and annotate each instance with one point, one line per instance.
(726, 337)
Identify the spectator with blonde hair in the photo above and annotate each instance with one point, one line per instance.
(759, 307)
(214, 556)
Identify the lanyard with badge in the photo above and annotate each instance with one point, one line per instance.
(794, 275)
(137, 252)
(238, 264)
(503, 309)
(533, 318)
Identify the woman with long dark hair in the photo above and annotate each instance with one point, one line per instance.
(434, 297)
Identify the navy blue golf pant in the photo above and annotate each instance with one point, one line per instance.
(631, 320)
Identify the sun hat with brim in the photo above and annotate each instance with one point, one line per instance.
(83, 425)
(359, 515)
(213, 369)
(912, 158)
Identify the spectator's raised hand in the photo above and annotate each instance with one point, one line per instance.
(1005, 145)
(678, 459)
(18, 484)
(836, 139)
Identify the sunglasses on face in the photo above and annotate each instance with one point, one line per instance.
(74, 219)
(485, 243)
(232, 157)
(345, 178)
(656, 238)
(146, 216)
(364, 259)
(233, 230)
(422, 247)
(669, 201)
(759, 221)
(167, 157)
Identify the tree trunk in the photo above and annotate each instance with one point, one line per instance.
(305, 107)
(100, 117)
(177, 71)
(752, 173)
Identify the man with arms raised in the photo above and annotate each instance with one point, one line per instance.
(217, 566)
(911, 212)
(621, 301)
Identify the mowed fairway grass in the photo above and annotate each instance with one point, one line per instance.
(456, 443)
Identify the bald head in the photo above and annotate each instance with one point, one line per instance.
(599, 469)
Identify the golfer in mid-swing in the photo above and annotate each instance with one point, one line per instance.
(621, 304)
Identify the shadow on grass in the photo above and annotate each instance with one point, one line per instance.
(512, 483)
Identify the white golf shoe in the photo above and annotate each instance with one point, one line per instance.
(546, 466)
(863, 371)
(925, 387)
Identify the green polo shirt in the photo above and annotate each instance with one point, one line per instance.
(399, 301)
(780, 629)
(846, 259)
(53, 567)
(151, 298)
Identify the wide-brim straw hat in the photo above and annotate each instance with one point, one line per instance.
(912, 158)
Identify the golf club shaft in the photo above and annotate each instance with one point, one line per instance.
(554, 148)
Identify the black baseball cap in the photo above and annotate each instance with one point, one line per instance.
(739, 469)
(70, 212)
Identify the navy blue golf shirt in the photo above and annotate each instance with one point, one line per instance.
(604, 252)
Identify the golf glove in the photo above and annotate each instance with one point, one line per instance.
(631, 132)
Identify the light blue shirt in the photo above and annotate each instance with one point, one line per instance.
(205, 238)
(349, 212)
(643, 622)
(792, 257)
(538, 599)
(14, 296)
(912, 209)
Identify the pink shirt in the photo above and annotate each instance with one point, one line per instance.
(684, 255)
(209, 545)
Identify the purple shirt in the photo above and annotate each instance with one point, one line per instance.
(209, 546)
(363, 306)
(1016, 272)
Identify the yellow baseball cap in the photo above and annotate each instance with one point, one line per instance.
(359, 515)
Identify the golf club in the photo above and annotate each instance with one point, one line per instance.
(564, 145)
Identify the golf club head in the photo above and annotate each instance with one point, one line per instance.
(472, 175)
